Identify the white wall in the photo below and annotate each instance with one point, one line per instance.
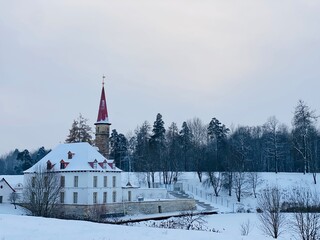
(5, 191)
(86, 189)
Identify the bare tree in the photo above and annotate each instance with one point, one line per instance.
(14, 197)
(214, 180)
(199, 141)
(193, 221)
(42, 191)
(245, 228)
(240, 184)
(303, 133)
(254, 180)
(274, 150)
(271, 218)
(306, 216)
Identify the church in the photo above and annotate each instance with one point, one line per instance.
(88, 178)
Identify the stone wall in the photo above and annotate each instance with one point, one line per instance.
(125, 208)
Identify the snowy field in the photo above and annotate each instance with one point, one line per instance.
(14, 224)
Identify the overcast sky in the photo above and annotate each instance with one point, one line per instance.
(238, 61)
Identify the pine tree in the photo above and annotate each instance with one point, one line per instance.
(217, 133)
(118, 148)
(186, 144)
(157, 146)
(25, 161)
(80, 131)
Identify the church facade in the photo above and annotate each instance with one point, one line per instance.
(88, 179)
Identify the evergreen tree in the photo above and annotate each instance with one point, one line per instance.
(142, 148)
(172, 154)
(80, 131)
(186, 144)
(118, 148)
(217, 133)
(157, 146)
(25, 161)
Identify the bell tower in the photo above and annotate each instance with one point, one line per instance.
(103, 125)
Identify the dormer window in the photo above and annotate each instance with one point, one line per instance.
(49, 165)
(62, 164)
(104, 164)
(95, 164)
(70, 154)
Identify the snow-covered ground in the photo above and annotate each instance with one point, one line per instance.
(14, 226)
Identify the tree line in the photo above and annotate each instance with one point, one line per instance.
(15, 162)
(213, 147)
(201, 147)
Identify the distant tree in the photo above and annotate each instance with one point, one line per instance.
(173, 153)
(142, 154)
(254, 180)
(240, 184)
(118, 148)
(240, 146)
(214, 180)
(25, 161)
(306, 216)
(80, 131)
(303, 133)
(41, 192)
(217, 133)
(198, 145)
(158, 146)
(42, 152)
(271, 218)
(13, 198)
(185, 137)
(274, 147)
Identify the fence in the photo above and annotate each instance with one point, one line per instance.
(209, 196)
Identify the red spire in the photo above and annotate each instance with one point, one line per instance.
(103, 111)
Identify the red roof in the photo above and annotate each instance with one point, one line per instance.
(103, 111)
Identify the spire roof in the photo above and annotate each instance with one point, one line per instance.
(103, 111)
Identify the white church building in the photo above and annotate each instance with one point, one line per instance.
(86, 176)
(89, 178)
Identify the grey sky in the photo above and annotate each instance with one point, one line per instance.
(239, 61)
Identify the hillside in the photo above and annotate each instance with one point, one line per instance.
(14, 226)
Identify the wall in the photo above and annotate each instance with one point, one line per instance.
(5, 191)
(126, 208)
(145, 193)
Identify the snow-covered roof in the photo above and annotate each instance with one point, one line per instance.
(13, 180)
(76, 157)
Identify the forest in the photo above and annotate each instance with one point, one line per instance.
(201, 147)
